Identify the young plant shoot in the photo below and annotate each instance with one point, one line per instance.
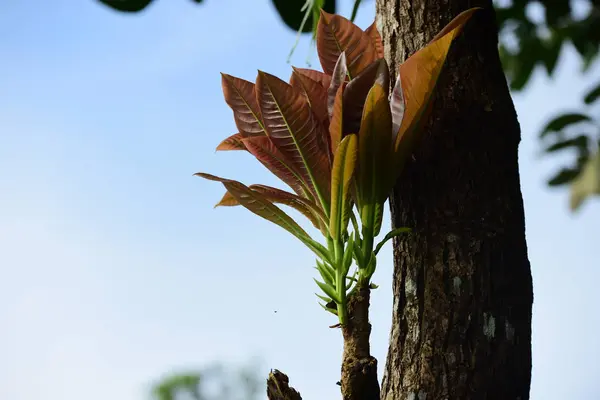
(339, 140)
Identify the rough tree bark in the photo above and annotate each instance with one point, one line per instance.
(462, 281)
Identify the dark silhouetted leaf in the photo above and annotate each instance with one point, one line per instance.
(292, 15)
(564, 176)
(562, 121)
(127, 5)
(580, 142)
(592, 95)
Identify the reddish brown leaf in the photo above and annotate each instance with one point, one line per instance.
(259, 205)
(304, 206)
(336, 34)
(233, 142)
(275, 161)
(315, 93)
(335, 125)
(357, 90)
(240, 95)
(375, 39)
(296, 132)
(315, 75)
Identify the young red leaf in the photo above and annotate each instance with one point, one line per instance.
(304, 206)
(275, 161)
(339, 77)
(295, 131)
(318, 76)
(336, 34)
(419, 75)
(233, 142)
(240, 95)
(344, 163)
(357, 90)
(258, 204)
(336, 125)
(375, 39)
(315, 93)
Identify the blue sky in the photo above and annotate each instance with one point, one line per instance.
(115, 267)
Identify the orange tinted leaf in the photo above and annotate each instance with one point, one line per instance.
(357, 90)
(233, 142)
(295, 131)
(344, 163)
(315, 75)
(258, 204)
(315, 93)
(265, 151)
(375, 39)
(240, 95)
(419, 75)
(335, 125)
(227, 201)
(336, 34)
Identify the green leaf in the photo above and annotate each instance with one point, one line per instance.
(347, 259)
(562, 121)
(327, 273)
(392, 234)
(592, 95)
(329, 291)
(344, 163)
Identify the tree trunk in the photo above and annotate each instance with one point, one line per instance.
(462, 281)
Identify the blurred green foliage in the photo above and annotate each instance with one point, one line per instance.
(211, 383)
